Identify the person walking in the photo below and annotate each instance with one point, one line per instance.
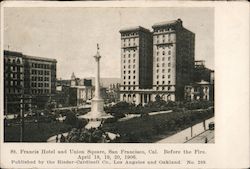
(62, 139)
(56, 138)
(206, 140)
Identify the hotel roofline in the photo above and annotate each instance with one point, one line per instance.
(167, 23)
(136, 28)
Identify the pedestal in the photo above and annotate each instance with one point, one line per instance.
(97, 112)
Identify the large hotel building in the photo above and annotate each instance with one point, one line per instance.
(156, 63)
(27, 79)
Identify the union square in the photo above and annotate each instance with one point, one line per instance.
(163, 93)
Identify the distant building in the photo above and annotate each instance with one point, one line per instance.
(201, 72)
(79, 95)
(156, 63)
(62, 97)
(114, 92)
(80, 91)
(29, 79)
(199, 91)
(202, 87)
(77, 91)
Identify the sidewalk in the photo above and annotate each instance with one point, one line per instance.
(53, 138)
(208, 134)
(187, 134)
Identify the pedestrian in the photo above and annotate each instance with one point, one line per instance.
(206, 140)
(56, 138)
(62, 139)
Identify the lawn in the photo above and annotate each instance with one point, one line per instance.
(33, 133)
(149, 129)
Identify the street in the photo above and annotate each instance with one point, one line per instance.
(209, 134)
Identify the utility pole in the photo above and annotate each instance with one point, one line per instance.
(21, 119)
(6, 104)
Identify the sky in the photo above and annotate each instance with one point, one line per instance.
(70, 34)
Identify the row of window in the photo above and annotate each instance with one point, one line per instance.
(132, 39)
(164, 41)
(39, 78)
(124, 61)
(129, 88)
(197, 88)
(43, 66)
(163, 64)
(13, 83)
(162, 58)
(163, 30)
(163, 36)
(163, 53)
(129, 44)
(124, 56)
(14, 75)
(163, 82)
(163, 76)
(14, 68)
(169, 46)
(129, 83)
(16, 60)
(124, 72)
(131, 49)
(163, 70)
(129, 66)
(129, 77)
(130, 34)
(39, 84)
(163, 88)
(40, 72)
(14, 91)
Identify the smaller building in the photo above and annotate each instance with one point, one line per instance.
(201, 72)
(74, 92)
(113, 92)
(202, 90)
(62, 96)
(80, 95)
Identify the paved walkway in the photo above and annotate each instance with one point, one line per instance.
(53, 138)
(130, 116)
(208, 134)
(188, 133)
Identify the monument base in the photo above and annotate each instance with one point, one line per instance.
(97, 114)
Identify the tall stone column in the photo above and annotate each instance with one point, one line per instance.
(97, 113)
(97, 80)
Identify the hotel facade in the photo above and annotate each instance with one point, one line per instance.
(157, 63)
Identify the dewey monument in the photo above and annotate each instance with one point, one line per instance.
(97, 115)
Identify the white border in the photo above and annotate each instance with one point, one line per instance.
(231, 149)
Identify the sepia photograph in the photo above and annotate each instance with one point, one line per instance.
(124, 84)
(109, 75)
